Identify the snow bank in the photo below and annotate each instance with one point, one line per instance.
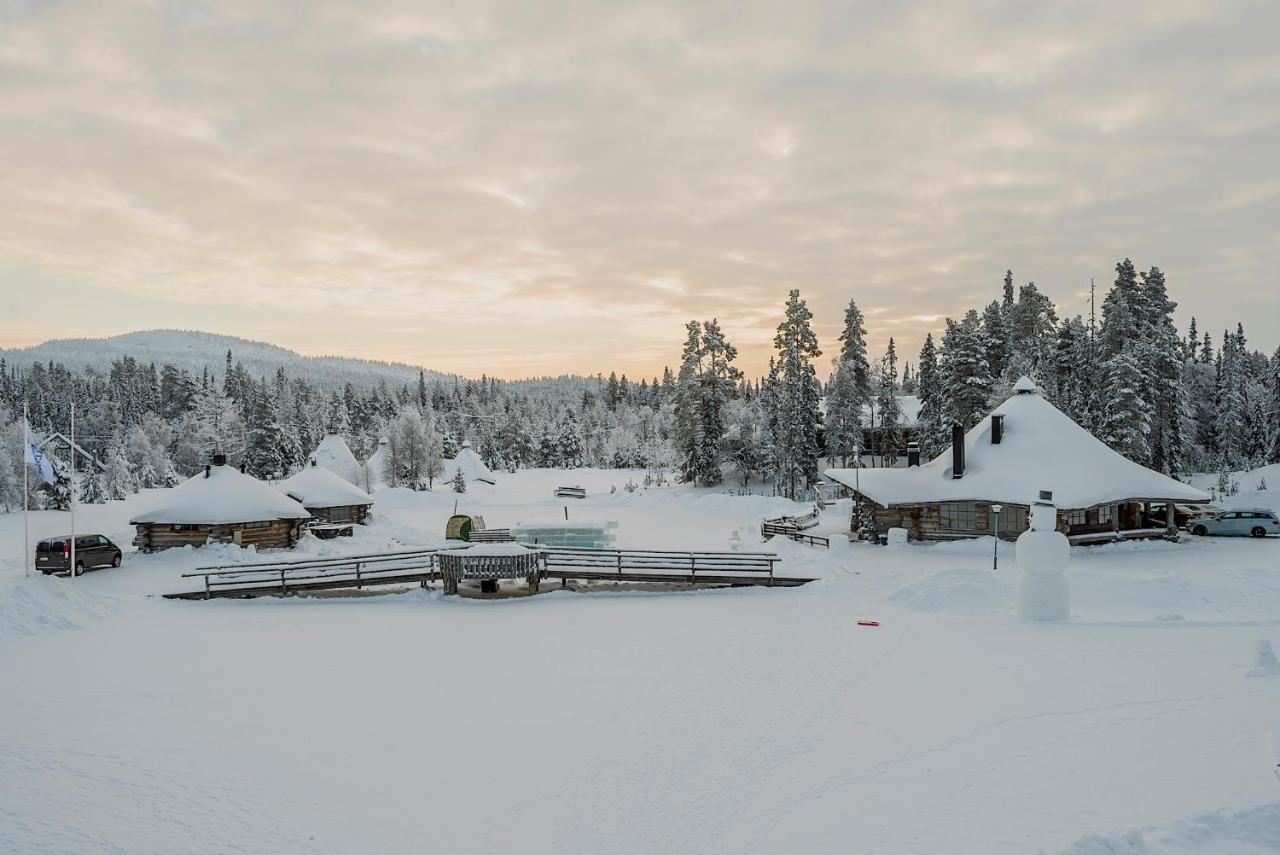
(1255, 831)
(39, 604)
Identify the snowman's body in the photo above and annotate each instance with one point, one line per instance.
(1043, 554)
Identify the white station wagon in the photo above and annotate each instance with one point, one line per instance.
(1241, 522)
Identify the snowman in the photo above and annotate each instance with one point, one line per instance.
(1043, 553)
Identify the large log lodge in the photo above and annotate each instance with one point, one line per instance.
(1026, 445)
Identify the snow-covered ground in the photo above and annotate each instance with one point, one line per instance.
(749, 720)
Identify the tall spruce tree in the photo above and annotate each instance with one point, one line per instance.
(850, 391)
(966, 377)
(798, 393)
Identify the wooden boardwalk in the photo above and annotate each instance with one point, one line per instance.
(422, 567)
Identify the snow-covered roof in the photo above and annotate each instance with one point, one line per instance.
(226, 496)
(317, 487)
(473, 468)
(334, 454)
(1041, 449)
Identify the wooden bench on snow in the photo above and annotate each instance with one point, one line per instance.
(492, 535)
(570, 493)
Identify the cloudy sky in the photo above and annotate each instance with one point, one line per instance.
(533, 188)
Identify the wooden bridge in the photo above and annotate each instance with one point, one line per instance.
(422, 567)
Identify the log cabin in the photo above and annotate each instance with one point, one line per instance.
(327, 496)
(220, 505)
(1024, 446)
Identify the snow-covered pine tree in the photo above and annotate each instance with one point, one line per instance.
(569, 441)
(888, 411)
(1126, 416)
(213, 425)
(1232, 402)
(92, 489)
(1273, 409)
(995, 337)
(850, 389)
(1032, 333)
(932, 401)
(117, 478)
(1162, 353)
(718, 385)
(966, 378)
(459, 481)
(264, 455)
(688, 405)
(798, 392)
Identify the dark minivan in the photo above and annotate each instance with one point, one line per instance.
(92, 550)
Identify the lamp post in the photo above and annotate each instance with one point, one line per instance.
(857, 486)
(995, 547)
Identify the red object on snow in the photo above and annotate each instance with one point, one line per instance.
(868, 623)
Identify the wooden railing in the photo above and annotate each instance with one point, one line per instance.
(424, 565)
(340, 572)
(770, 529)
(655, 565)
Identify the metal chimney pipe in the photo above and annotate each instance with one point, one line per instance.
(913, 454)
(957, 451)
(997, 429)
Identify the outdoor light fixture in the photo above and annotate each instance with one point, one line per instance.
(995, 547)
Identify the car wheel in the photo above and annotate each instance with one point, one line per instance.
(1199, 531)
(115, 562)
(79, 568)
(1258, 531)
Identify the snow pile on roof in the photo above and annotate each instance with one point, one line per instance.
(334, 454)
(1041, 449)
(226, 496)
(317, 487)
(473, 468)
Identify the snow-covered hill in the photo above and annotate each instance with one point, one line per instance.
(196, 351)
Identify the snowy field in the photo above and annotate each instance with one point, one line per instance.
(749, 720)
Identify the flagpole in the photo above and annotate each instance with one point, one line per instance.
(26, 520)
(73, 489)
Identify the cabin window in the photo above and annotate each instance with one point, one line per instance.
(262, 524)
(1012, 519)
(1105, 513)
(958, 516)
(187, 527)
(1079, 518)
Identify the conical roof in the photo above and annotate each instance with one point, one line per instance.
(334, 454)
(317, 487)
(226, 496)
(1041, 449)
(473, 468)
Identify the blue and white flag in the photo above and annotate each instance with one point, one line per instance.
(35, 456)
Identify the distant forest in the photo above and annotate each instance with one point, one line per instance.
(1176, 402)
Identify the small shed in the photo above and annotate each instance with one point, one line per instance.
(328, 497)
(220, 505)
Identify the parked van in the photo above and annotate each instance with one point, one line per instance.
(92, 550)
